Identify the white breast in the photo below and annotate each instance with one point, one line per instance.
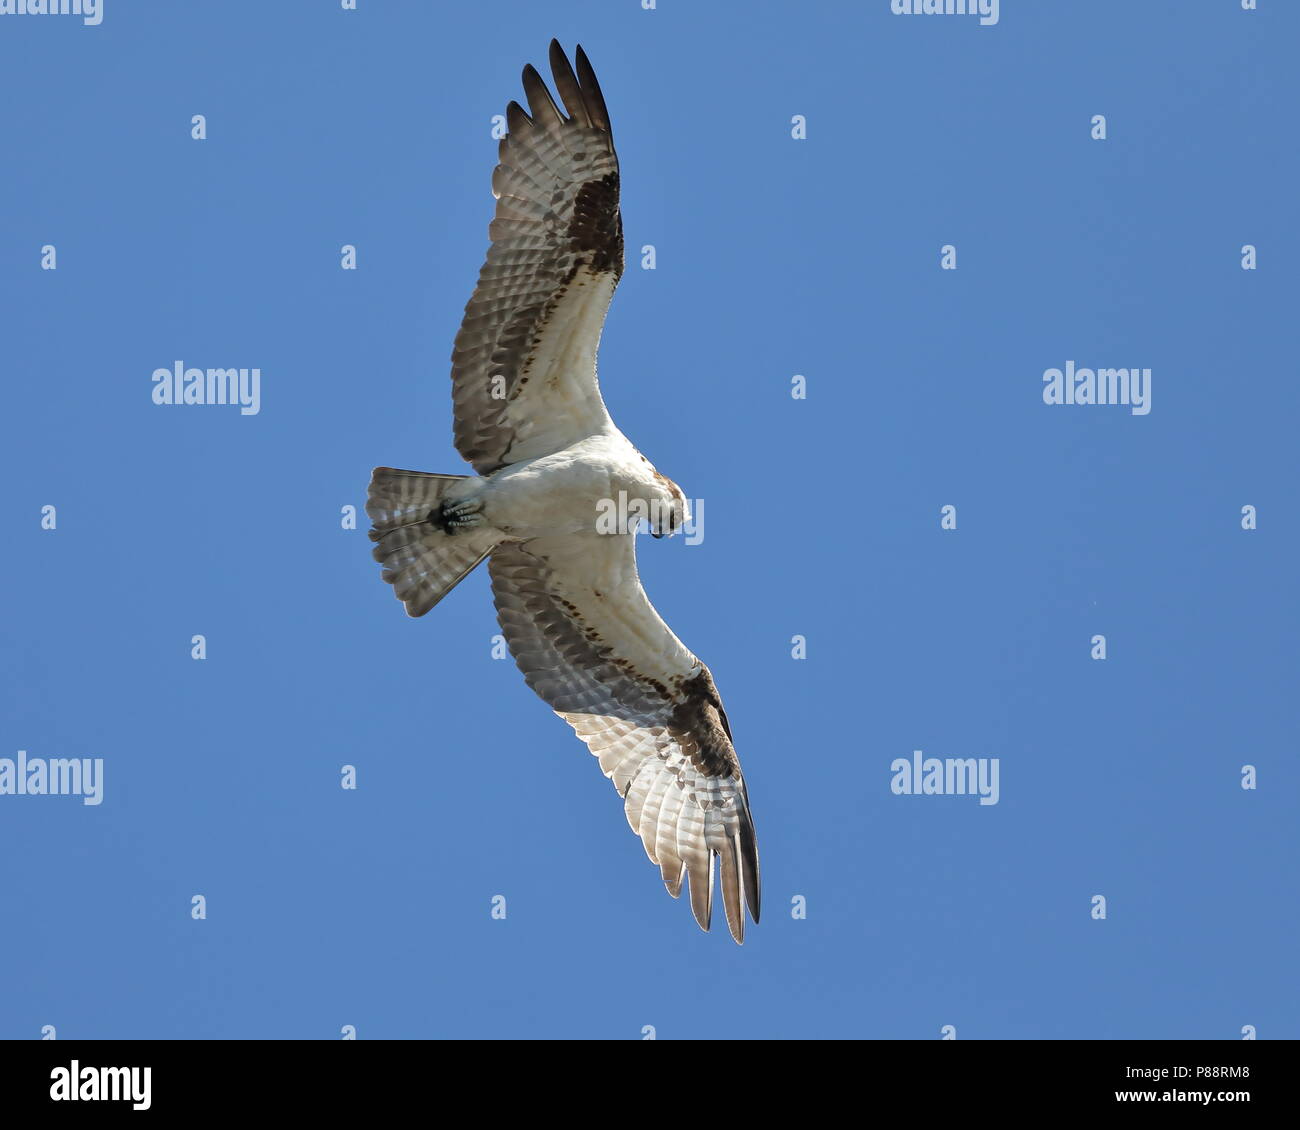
(564, 492)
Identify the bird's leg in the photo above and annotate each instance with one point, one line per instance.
(457, 517)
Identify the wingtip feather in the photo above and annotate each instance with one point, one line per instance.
(566, 83)
(540, 103)
(701, 880)
(593, 97)
(729, 859)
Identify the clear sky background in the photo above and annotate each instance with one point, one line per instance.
(775, 257)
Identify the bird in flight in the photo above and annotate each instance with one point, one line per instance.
(556, 498)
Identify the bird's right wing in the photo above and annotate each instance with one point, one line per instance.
(524, 365)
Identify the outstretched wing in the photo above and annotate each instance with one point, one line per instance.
(524, 365)
(589, 641)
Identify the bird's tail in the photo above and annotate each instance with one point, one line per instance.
(421, 560)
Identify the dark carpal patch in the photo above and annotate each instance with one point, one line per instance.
(700, 716)
(597, 227)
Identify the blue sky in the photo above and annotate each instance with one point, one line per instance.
(774, 257)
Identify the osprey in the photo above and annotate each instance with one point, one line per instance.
(548, 459)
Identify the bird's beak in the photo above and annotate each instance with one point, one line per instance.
(657, 533)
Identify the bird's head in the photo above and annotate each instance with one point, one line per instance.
(672, 511)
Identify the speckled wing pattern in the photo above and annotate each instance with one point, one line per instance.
(590, 643)
(524, 362)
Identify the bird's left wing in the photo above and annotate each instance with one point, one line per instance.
(591, 644)
(524, 365)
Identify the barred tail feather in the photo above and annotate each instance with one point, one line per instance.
(421, 561)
